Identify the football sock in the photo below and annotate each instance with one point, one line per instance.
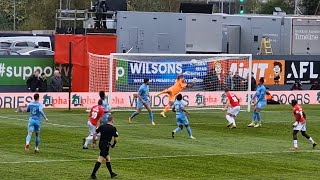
(189, 131)
(108, 164)
(166, 109)
(311, 140)
(233, 121)
(151, 116)
(295, 143)
(258, 117)
(178, 129)
(229, 118)
(254, 117)
(28, 139)
(134, 115)
(96, 168)
(37, 141)
(88, 140)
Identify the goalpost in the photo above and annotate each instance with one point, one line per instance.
(121, 75)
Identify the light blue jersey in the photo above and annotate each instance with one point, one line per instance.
(261, 97)
(142, 101)
(106, 107)
(36, 111)
(144, 94)
(181, 116)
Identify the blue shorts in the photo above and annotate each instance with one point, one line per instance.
(261, 104)
(182, 120)
(34, 126)
(104, 119)
(140, 104)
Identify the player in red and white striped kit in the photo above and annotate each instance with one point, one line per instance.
(299, 125)
(95, 115)
(232, 107)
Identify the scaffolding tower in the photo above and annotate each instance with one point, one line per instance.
(74, 21)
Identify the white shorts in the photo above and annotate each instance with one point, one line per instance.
(92, 128)
(234, 110)
(301, 127)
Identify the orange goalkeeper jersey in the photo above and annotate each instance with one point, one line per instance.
(178, 86)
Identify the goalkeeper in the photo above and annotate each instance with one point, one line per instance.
(172, 91)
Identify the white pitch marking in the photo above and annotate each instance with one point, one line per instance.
(53, 124)
(127, 125)
(169, 156)
(137, 124)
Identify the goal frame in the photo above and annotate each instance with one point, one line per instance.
(112, 55)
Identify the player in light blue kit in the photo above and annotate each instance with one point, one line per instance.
(181, 117)
(35, 109)
(143, 100)
(105, 106)
(259, 104)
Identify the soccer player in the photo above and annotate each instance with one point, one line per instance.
(143, 100)
(95, 115)
(299, 125)
(232, 107)
(181, 117)
(107, 131)
(105, 106)
(172, 91)
(259, 104)
(36, 111)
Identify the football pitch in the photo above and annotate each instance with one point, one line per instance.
(149, 152)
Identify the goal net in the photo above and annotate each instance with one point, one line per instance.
(98, 73)
(210, 73)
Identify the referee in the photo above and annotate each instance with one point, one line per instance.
(107, 131)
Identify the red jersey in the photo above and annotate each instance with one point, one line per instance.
(298, 114)
(233, 99)
(96, 113)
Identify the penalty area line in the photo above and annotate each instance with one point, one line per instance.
(133, 124)
(167, 157)
(136, 124)
(53, 124)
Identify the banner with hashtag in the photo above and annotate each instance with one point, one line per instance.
(16, 71)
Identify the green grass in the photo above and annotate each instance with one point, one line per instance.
(146, 152)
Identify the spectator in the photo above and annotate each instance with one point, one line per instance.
(33, 82)
(253, 82)
(211, 81)
(228, 80)
(216, 81)
(269, 98)
(101, 16)
(315, 86)
(237, 81)
(56, 82)
(296, 86)
(43, 83)
(244, 83)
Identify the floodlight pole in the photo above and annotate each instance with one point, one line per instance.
(14, 15)
(297, 10)
(222, 6)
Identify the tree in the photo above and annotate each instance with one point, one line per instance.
(8, 13)
(252, 6)
(4, 22)
(268, 8)
(154, 5)
(31, 15)
(311, 7)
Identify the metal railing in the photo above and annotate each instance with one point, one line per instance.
(86, 19)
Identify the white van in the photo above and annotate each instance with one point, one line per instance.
(41, 41)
